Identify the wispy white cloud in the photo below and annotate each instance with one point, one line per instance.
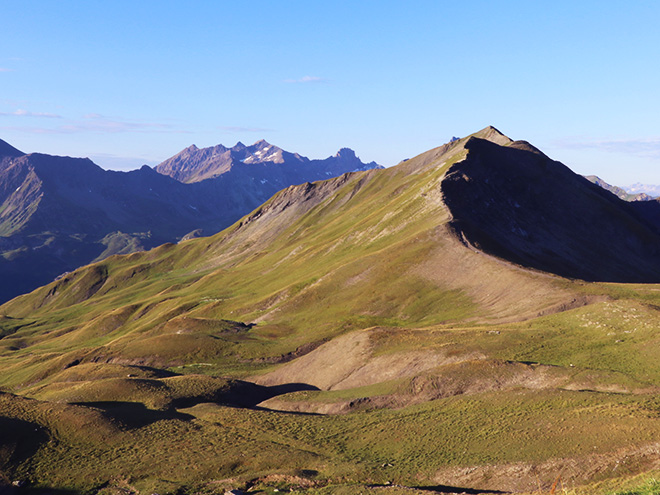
(94, 122)
(648, 147)
(231, 128)
(100, 123)
(29, 129)
(5, 69)
(25, 113)
(306, 79)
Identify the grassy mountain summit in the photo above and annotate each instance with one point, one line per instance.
(403, 325)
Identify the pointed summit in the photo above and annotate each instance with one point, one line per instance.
(493, 135)
(346, 153)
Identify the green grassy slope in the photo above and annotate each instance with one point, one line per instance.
(338, 336)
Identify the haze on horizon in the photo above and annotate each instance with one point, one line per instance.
(127, 83)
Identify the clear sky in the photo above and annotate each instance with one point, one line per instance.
(132, 82)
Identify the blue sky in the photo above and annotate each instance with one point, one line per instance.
(127, 82)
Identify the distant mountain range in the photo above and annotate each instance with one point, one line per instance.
(262, 161)
(620, 192)
(58, 213)
(639, 188)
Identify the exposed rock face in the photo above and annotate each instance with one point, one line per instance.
(262, 161)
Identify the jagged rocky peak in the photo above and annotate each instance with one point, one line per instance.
(262, 151)
(277, 167)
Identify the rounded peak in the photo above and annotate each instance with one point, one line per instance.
(346, 153)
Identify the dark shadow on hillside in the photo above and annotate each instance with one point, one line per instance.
(455, 489)
(158, 372)
(241, 394)
(21, 438)
(517, 204)
(27, 489)
(134, 414)
(244, 394)
(287, 413)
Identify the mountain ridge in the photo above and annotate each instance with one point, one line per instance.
(351, 317)
(194, 164)
(58, 213)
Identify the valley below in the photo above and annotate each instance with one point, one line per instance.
(477, 319)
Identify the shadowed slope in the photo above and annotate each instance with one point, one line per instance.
(520, 205)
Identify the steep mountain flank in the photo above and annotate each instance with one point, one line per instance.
(520, 205)
(8, 151)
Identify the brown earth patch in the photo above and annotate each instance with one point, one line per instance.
(533, 477)
(505, 292)
(464, 375)
(347, 362)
